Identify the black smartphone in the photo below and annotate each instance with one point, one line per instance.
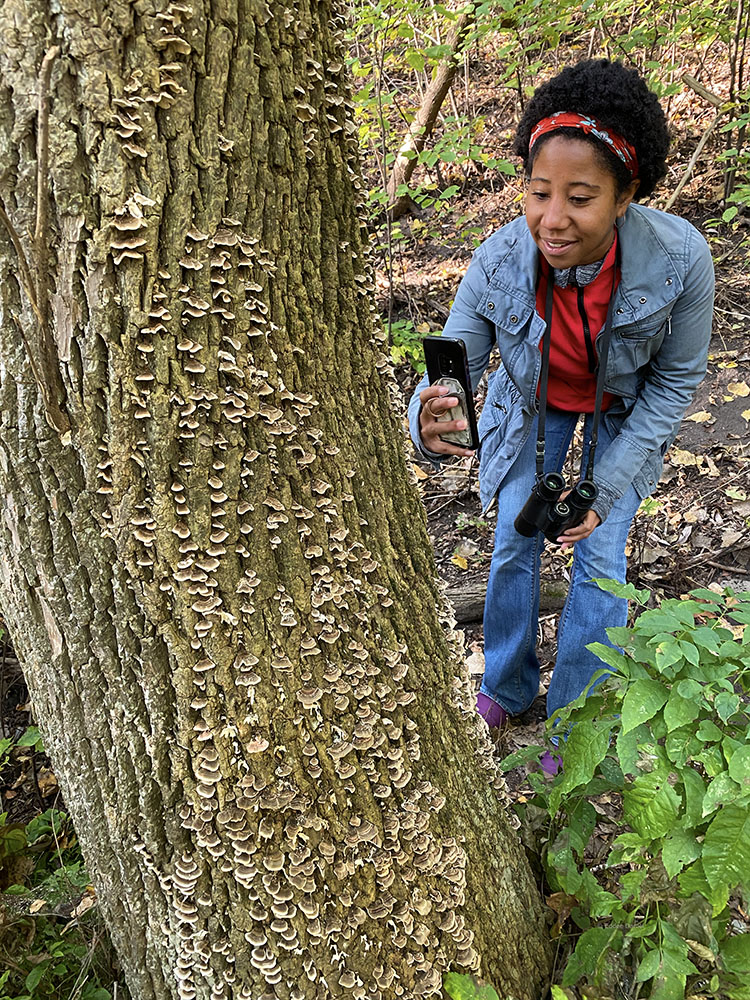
(448, 365)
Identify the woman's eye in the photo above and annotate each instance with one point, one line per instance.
(579, 200)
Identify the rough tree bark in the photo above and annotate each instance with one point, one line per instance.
(425, 118)
(213, 565)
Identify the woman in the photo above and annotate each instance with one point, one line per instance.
(593, 141)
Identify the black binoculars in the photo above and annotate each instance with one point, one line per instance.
(544, 510)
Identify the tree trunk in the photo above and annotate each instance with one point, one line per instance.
(213, 566)
(424, 120)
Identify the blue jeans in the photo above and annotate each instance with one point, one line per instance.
(511, 673)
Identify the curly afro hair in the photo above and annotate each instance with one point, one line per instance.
(620, 100)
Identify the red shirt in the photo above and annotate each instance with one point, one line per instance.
(572, 384)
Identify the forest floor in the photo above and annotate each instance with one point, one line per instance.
(695, 530)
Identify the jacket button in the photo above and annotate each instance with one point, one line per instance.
(668, 281)
(642, 299)
(490, 305)
(514, 319)
(620, 311)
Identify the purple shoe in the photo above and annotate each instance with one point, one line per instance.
(551, 763)
(493, 714)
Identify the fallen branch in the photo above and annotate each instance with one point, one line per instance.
(424, 120)
(717, 102)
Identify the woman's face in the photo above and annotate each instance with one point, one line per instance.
(572, 203)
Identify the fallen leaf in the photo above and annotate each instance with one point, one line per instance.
(46, 781)
(712, 472)
(563, 905)
(729, 537)
(701, 417)
(694, 514)
(475, 663)
(460, 562)
(739, 388)
(36, 906)
(419, 472)
(735, 493)
(746, 415)
(87, 901)
(679, 456)
(466, 548)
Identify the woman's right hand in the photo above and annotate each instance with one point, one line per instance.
(436, 399)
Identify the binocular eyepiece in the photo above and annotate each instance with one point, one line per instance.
(544, 510)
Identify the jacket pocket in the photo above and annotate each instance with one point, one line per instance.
(634, 347)
(647, 328)
(502, 397)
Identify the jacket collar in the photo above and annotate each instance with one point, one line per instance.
(649, 279)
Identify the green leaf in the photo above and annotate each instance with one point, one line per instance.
(584, 750)
(520, 757)
(626, 590)
(651, 805)
(739, 766)
(681, 745)
(461, 987)
(628, 752)
(31, 738)
(692, 881)
(416, 60)
(721, 791)
(642, 701)
(591, 948)
(689, 688)
(695, 789)
(726, 704)
(678, 850)
(705, 637)
(648, 966)
(612, 657)
(35, 976)
(735, 953)
(708, 732)
(689, 651)
(726, 848)
(667, 653)
(679, 711)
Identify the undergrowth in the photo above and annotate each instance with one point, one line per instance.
(662, 737)
(53, 945)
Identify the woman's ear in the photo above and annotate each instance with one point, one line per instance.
(624, 200)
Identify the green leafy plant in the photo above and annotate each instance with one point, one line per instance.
(53, 943)
(406, 342)
(460, 987)
(663, 736)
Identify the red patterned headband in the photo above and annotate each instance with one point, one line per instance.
(569, 119)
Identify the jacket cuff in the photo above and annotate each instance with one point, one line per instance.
(606, 499)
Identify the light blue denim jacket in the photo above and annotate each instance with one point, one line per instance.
(661, 329)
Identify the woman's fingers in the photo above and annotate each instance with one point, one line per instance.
(581, 531)
(437, 400)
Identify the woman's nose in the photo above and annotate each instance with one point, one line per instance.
(554, 216)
